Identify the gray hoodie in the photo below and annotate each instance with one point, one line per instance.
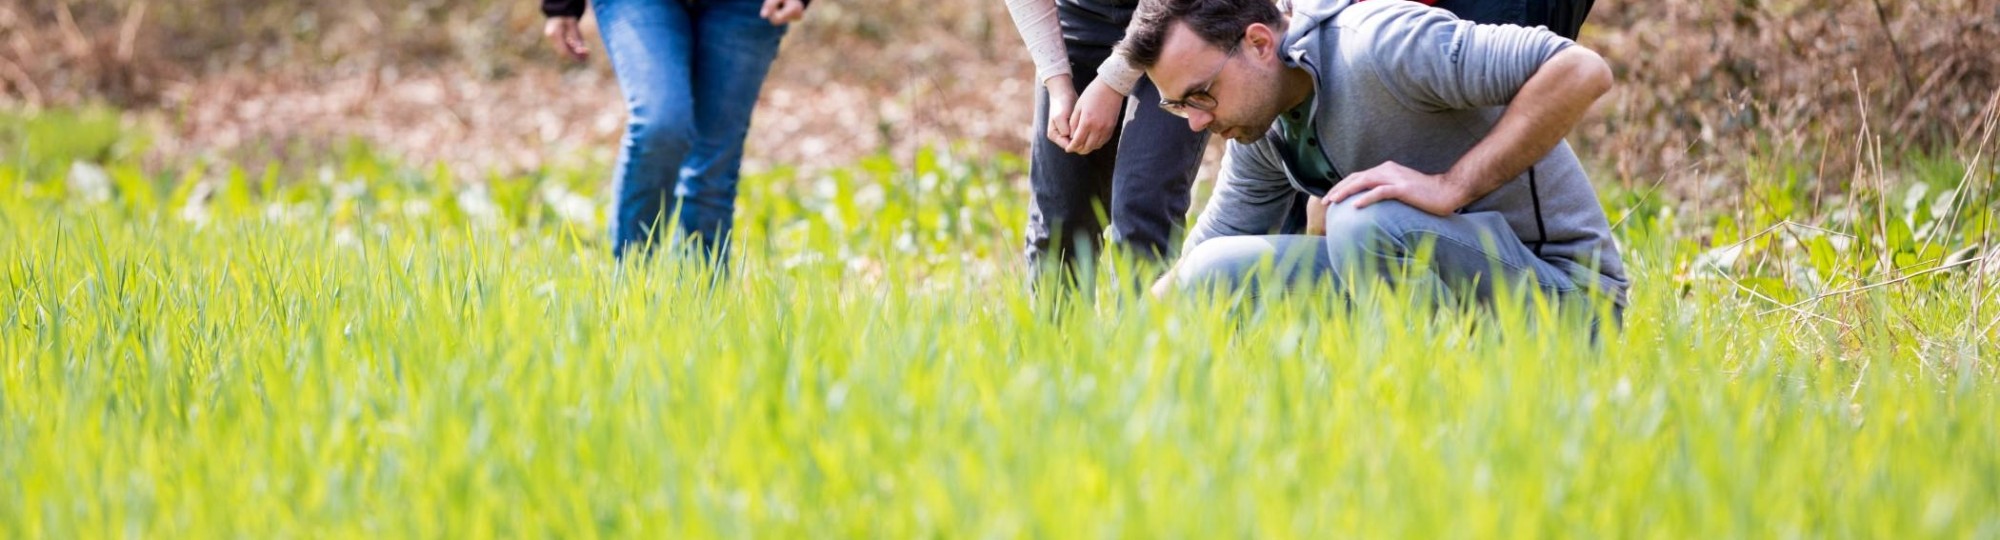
(1400, 81)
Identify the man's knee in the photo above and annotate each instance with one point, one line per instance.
(1384, 219)
(1227, 261)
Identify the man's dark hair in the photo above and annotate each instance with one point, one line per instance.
(1219, 22)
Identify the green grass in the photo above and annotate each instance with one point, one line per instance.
(367, 350)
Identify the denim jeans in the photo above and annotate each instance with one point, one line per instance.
(1469, 253)
(690, 72)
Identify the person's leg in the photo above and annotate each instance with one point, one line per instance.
(648, 43)
(1467, 253)
(1235, 263)
(731, 58)
(1068, 191)
(1157, 160)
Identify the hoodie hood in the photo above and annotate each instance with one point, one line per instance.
(1305, 19)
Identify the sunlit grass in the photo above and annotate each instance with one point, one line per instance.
(328, 357)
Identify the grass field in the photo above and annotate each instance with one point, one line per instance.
(361, 348)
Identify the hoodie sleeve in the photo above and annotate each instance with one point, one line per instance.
(1251, 196)
(1432, 61)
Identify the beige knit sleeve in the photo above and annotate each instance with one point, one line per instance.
(1036, 20)
(1119, 74)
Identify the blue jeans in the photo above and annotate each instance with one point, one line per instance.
(1469, 254)
(690, 74)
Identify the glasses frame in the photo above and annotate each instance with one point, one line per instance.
(1200, 99)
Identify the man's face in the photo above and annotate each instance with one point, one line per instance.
(1232, 92)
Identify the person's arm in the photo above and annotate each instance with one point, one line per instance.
(563, 8)
(561, 28)
(1546, 82)
(1042, 32)
(1097, 110)
(1119, 75)
(783, 12)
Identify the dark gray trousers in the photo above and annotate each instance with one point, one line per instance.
(1141, 179)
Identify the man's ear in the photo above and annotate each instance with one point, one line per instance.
(1261, 41)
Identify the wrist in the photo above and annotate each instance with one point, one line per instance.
(1101, 86)
(1461, 186)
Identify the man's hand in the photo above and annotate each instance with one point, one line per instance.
(1164, 285)
(1431, 193)
(1096, 115)
(1062, 100)
(783, 12)
(567, 38)
(1316, 215)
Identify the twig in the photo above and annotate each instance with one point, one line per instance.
(1760, 234)
(20, 80)
(1657, 182)
(1909, 113)
(1971, 172)
(1852, 290)
(1821, 230)
(1786, 224)
(1979, 287)
(1979, 276)
(1858, 377)
(128, 33)
(1870, 149)
(1902, 67)
(1781, 305)
(72, 35)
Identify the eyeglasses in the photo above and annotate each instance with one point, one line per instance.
(1200, 99)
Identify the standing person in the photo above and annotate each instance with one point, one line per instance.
(1420, 128)
(690, 71)
(1143, 180)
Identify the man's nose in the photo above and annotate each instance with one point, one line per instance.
(1198, 120)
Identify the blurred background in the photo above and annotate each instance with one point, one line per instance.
(471, 85)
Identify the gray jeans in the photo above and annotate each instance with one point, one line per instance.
(1469, 253)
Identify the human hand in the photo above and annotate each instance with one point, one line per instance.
(566, 36)
(1392, 181)
(1094, 117)
(1163, 285)
(781, 12)
(1316, 215)
(1062, 99)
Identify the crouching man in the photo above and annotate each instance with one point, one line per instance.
(1423, 132)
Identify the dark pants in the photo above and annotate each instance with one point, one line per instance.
(1141, 178)
(1564, 17)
